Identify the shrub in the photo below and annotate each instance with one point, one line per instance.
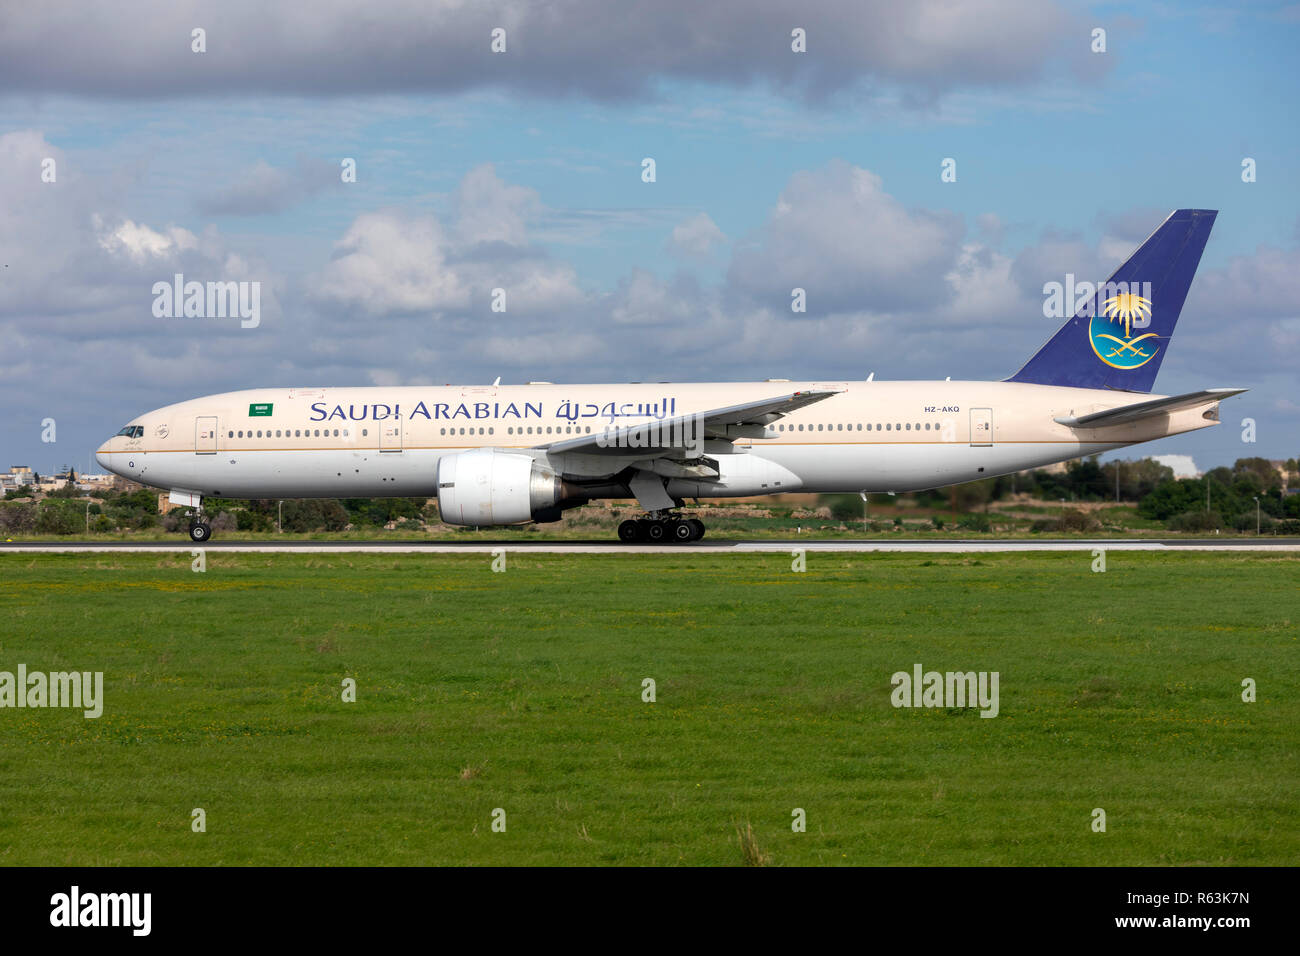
(18, 518)
(844, 507)
(314, 514)
(974, 522)
(1075, 520)
(59, 517)
(1195, 521)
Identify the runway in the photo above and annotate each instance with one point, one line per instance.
(922, 546)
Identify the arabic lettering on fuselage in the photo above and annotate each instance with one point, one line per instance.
(573, 411)
(447, 411)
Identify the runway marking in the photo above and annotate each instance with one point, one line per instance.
(1285, 545)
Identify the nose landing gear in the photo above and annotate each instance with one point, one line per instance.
(661, 527)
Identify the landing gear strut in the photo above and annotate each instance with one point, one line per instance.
(661, 527)
(200, 530)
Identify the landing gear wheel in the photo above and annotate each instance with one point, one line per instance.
(698, 525)
(657, 531)
(629, 531)
(200, 531)
(683, 531)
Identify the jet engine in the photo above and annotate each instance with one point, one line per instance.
(489, 487)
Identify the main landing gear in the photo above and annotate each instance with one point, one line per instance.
(200, 530)
(661, 527)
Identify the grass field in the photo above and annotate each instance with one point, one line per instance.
(523, 691)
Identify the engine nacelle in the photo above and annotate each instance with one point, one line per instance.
(487, 487)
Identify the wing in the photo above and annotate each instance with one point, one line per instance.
(1156, 406)
(663, 436)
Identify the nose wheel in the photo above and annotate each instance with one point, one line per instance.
(661, 528)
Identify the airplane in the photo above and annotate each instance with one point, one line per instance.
(502, 455)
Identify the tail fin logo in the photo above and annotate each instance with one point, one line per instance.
(1128, 351)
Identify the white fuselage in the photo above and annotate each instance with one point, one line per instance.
(378, 441)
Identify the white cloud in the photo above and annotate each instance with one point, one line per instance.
(696, 237)
(140, 48)
(141, 243)
(836, 233)
(390, 262)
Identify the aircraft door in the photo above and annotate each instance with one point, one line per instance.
(390, 435)
(205, 435)
(981, 426)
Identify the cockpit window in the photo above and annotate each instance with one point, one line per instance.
(132, 431)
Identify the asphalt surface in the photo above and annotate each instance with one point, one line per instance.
(933, 545)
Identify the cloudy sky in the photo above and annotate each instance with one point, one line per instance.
(522, 170)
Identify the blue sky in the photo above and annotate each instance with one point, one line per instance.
(1065, 160)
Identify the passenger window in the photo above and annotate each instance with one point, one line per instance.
(889, 428)
(230, 434)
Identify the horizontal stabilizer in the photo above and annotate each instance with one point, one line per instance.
(1156, 406)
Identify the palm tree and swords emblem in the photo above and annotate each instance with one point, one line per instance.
(1123, 352)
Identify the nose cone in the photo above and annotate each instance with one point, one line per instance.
(102, 456)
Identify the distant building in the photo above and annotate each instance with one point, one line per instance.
(17, 476)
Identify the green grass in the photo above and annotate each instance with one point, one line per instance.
(523, 691)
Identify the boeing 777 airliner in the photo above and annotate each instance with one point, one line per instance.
(499, 455)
